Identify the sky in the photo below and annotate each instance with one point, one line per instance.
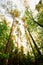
(19, 4)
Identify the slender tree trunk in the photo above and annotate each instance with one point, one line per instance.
(29, 35)
(30, 42)
(35, 55)
(35, 44)
(8, 45)
(33, 40)
(39, 53)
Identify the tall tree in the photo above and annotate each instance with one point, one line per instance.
(14, 14)
(29, 26)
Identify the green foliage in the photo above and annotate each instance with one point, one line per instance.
(31, 25)
(38, 6)
(34, 28)
(17, 57)
(40, 18)
(3, 55)
(3, 34)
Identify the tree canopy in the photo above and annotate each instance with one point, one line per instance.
(22, 42)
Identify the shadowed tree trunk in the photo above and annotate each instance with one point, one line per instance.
(33, 40)
(8, 45)
(14, 13)
(35, 44)
(30, 42)
(35, 55)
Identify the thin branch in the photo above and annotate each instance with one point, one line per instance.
(38, 23)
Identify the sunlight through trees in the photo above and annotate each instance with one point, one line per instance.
(21, 34)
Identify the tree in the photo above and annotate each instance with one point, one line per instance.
(4, 35)
(14, 14)
(30, 26)
(34, 37)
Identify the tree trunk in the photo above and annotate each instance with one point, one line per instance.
(8, 45)
(35, 44)
(30, 42)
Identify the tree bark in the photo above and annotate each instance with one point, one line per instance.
(35, 44)
(8, 45)
(30, 42)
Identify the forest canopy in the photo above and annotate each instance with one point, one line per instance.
(21, 33)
